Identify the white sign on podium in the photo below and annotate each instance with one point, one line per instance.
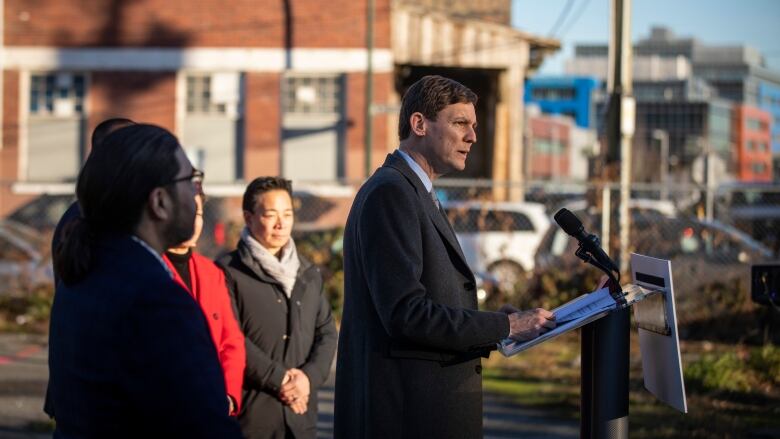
(658, 339)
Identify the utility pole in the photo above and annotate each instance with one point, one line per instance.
(605, 342)
(709, 176)
(663, 142)
(369, 130)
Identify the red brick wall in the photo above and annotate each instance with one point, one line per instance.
(262, 122)
(545, 164)
(9, 154)
(178, 23)
(140, 96)
(355, 149)
(262, 125)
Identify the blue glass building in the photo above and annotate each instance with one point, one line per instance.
(769, 101)
(567, 95)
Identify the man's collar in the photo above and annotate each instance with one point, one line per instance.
(418, 170)
(154, 253)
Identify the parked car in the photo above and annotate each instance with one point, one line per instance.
(499, 238)
(701, 252)
(43, 212)
(24, 259)
(753, 208)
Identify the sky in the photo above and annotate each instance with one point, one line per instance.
(754, 23)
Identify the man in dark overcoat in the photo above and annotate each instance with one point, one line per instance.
(411, 337)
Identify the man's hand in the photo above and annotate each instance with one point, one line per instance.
(295, 390)
(527, 325)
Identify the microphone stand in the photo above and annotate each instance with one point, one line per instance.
(614, 281)
(605, 350)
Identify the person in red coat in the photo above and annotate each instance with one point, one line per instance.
(206, 283)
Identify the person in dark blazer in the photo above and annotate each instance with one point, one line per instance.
(130, 354)
(290, 334)
(102, 130)
(411, 336)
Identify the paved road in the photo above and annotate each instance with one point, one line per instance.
(502, 419)
(23, 375)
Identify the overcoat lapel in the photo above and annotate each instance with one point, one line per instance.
(442, 224)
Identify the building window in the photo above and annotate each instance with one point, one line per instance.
(754, 124)
(547, 146)
(56, 94)
(55, 126)
(213, 94)
(751, 146)
(313, 126)
(212, 124)
(312, 94)
(553, 94)
(758, 167)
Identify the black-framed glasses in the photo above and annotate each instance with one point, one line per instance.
(196, 177)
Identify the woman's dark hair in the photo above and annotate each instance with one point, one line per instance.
(428, 96)
(261, 185)
(105, 128)
(112, 190)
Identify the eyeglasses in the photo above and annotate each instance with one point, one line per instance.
(196, 178)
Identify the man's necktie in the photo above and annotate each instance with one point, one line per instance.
(437, 203)
(435, 198)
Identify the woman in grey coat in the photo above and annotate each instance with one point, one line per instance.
(287, 322)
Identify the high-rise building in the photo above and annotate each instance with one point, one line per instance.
(668, 68)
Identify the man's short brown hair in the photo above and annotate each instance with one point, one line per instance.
(430, 95)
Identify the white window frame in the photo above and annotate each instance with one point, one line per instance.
(25, 82)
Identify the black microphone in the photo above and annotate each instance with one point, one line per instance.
(590, 242)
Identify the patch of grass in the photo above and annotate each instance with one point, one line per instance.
(26, 311)
(740, 370)
(559, 397)
(765, 360)
(719, 372)
(732, 390)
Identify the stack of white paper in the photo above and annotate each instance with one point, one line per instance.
(584, 306)
(572, 315)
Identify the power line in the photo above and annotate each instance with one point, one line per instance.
(561, 17)
(575, 18)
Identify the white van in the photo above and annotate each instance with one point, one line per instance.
(499, 238)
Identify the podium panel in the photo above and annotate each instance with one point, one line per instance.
(657, 325)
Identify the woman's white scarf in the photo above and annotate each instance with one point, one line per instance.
(284, 269)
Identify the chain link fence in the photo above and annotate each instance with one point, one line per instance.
(518, 253)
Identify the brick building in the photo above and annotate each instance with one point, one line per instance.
(752, 144)
(249, 90)
(548, 152)
(255, 88)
